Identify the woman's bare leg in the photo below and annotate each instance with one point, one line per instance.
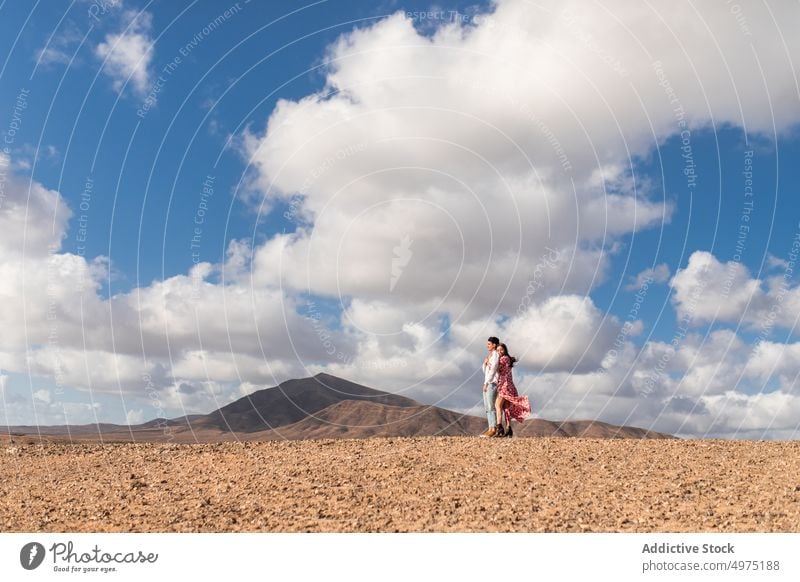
(499, 404)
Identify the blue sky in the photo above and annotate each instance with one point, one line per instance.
(155, 166)
(146, 102)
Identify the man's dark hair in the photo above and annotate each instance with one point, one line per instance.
(494, 340)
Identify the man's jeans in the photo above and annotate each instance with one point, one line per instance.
(488, 403)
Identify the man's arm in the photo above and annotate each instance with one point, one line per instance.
(491, 369)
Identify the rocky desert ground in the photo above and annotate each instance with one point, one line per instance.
(419, 484)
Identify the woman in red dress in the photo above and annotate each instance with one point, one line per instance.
(509, 404)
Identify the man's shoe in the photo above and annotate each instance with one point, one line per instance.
(490, 432)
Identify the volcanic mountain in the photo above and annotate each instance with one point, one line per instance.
(323, 406)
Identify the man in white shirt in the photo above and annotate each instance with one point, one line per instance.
(490, 385)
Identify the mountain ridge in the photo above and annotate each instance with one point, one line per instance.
(319, 407)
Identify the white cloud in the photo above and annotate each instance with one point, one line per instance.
(421, 360)
(563, 333)
(127, 54)
(135, 416)
(707, 290)
(758, 415)
(486, 144)
(184, 330)
(194, 343)
(658, 274)
(60, 47)
(29, 223)
(506, 152)
(714, 386)
(42, 395)
(769, 360)
(774, 262)
(40, 407)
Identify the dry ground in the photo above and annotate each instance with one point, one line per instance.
(403, 484)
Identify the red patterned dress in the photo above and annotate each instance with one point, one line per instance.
(516, 407)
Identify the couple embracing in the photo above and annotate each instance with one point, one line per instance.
(500, 398)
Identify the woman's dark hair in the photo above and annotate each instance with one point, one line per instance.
(513, 359)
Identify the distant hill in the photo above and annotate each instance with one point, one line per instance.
(320, 407)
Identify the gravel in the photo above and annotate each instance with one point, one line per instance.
(424, 484)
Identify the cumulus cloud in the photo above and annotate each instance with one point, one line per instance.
(487, 143)
(185, 328)
(658, 274)
(715, 386)
(135, 416)
(566, 332)
(490, 145)
(42, 407)
(127, 54)
(500, 158)
(707, 290)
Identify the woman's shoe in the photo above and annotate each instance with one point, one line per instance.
(509, 433)
(498, 431)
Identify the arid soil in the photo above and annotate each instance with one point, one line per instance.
(403, 484)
